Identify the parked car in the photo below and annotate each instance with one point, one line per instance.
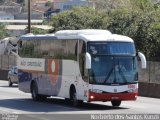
(13, 76)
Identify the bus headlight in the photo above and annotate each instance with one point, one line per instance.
(91, 97)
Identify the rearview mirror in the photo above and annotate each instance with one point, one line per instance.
(88, 60)
(143, 60)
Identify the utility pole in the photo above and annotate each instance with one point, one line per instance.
(29, 16)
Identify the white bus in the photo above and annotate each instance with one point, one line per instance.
(79, 65)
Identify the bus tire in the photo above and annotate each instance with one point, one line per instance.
(116, 103)
(34, 92)
(73, 98)
(43, 97)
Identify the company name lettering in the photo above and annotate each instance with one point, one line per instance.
(29, 63)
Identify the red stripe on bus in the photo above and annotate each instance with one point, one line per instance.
(53, 74)
(111, 96)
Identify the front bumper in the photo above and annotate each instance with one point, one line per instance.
(112, 96)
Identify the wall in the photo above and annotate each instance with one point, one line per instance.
(15, 33)
(151, 74)
(149, 80)
(7, 61)
(3, 74)
(149, 90)
(23, 16)
(11, 9)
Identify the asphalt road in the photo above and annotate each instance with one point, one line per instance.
(15, 102)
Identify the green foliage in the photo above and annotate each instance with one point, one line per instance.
(3, 32)
(138, 19)
(140, 23)
(79, 18)
(35, 30)
(38, 31)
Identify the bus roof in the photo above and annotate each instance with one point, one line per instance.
(86, 35)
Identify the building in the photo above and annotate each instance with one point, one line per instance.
(36, 4)
(64, 5)
(38, 9)
(61, 5)
(10, 8)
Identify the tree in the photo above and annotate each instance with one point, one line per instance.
(139, 22)
(35, 30)
(79, 18)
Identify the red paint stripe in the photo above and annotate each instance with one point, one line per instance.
(112, 96)
(54, 75)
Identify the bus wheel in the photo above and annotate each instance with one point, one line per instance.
(9, 82)
(34, 92)
(74, 98)
(75, 102)
(43, 97)
(116, 103)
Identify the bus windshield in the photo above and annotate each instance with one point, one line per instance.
(111, 48)
(113, 63)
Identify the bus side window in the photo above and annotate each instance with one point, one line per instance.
(70, 50)
(27, 49)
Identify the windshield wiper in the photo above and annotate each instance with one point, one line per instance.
(109, 74)
(122, 74)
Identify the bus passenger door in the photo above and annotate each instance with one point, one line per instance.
(82, 75)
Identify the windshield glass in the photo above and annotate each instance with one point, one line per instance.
(110, 67)
(111, 48)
